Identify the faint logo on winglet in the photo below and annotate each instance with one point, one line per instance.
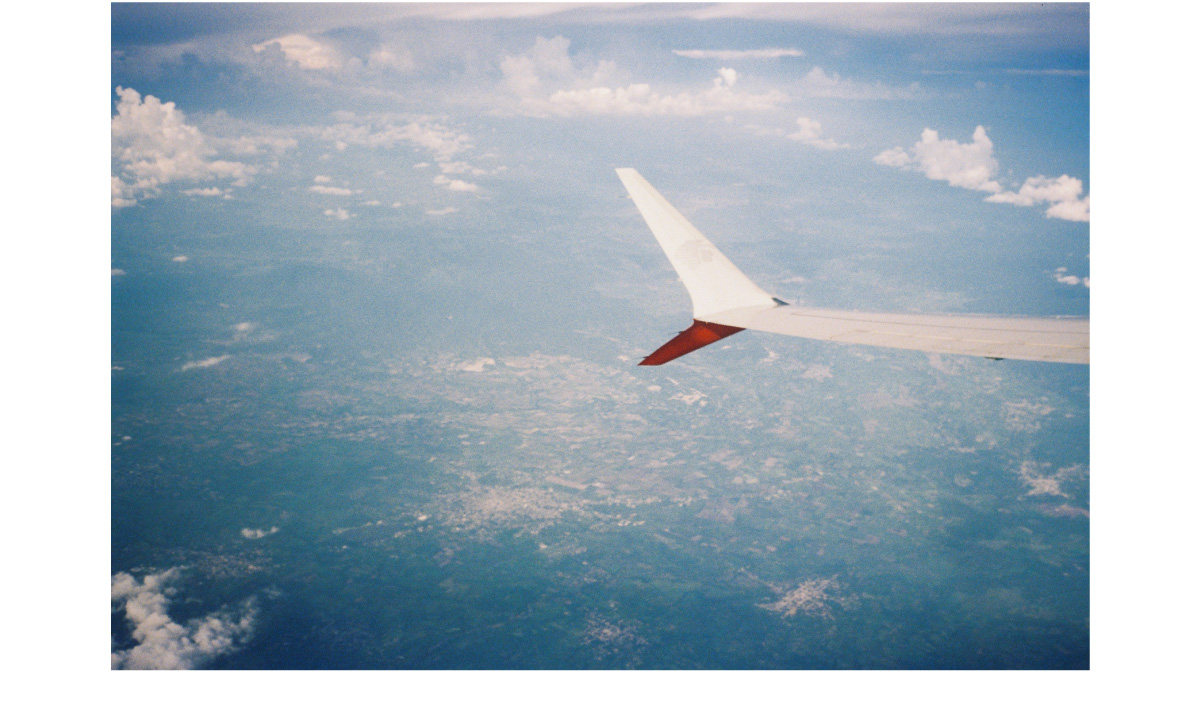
(694, 253)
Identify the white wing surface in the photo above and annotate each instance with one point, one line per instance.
(724, 302)
(714, 283)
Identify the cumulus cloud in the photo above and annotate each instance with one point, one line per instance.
(303, 51)
(809, 132)
(1061, 276)
(455, 185)
(547, 81)
(1064, 194)
(204, 363)
(728, 55)
(476, 366)
(162, 643)
(972, 166)
(153, 145)
(440, 212)
(386, 131)
(258, 533)
(179, 259)
(339, 214)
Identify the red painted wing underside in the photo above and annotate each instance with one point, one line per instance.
(698, 335)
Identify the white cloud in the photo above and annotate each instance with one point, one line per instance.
(375, 131)
(153, 145)
(207, 192)
(440, 212)
(476, 366)
(339, 214)
(817, 372)
(1040, 483)
(1061, 193)
(322, 179)
(455, 185)
(809, 133)
(1061, 276)
(392, 58)
(547, 82)
(181, 258)
(818, 83)
(323, 189)
(896, 157)
(727, 55)
(460, 168)
(204, 363)
(639, 99)
(258, 533)
(972, 166)
(118, 272)
(162, 643)
(304, 51)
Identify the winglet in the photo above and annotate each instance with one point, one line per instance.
(712, 281)
(696, 336)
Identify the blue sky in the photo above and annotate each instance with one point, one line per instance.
(891, 138)
(815, 80)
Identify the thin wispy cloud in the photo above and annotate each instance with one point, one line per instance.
(207, 192)
(335, 191)
(765, 53)
(1049, 72)
(204, 363)
(831, 85)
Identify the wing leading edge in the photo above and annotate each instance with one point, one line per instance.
(725, 301)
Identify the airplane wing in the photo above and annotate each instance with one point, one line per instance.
(725, 301)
